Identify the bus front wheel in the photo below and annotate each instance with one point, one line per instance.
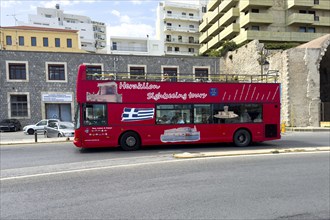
(242, 138)
(130, 141)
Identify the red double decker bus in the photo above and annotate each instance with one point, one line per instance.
(133, 111)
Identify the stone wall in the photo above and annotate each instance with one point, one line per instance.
(299, 75)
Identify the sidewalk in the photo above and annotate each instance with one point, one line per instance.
(20, 138)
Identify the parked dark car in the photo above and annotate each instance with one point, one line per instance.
(10, 125)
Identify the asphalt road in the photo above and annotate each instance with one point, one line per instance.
(281, 186)
(53, 155)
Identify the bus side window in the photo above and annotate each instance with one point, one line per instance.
(95, 114)
(202, 114)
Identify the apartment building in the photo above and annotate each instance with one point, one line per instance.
(29, 38)
(92, 33)
(265, 20)
(177, 26)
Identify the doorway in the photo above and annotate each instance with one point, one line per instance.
(58, 111)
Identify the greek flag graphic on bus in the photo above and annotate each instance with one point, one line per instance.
(137, 114)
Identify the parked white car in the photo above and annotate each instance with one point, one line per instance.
(59, 129)
(39, 127)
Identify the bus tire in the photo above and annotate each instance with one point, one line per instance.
(130, 141)
(242, 138)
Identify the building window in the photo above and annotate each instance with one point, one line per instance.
(56, 72)
(114, 45)
(201, 74)
(69, 43)
(137, 72)
(8, 40)
(57, 42)
(302, 29)
(177, 49)
(184, 14)
(94, 72)
(169, 24)
(21, 40)
(33, 41)
(253, 10)
(255, 28)
(180, 38)
(311, 30)
(45, 41)
(191, 26)
(18, 105)
(17, 71)
(169, 49)
(316, 2)
(191, 14)
(191, 50)
(169, 12)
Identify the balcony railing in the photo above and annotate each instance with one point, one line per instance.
(184, 77)
(298, 18)
(135, 49)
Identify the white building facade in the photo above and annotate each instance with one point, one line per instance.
(92, 33)
(177, 26)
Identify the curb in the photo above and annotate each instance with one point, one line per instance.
(188, 155)
(39, 141)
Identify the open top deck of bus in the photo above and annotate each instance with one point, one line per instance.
(269, 77)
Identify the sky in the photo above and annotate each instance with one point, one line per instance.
(132, 18)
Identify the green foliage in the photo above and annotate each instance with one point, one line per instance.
(228, 46)
(280, 46)
(213, 53)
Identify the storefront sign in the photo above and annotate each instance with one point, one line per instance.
(56, 97)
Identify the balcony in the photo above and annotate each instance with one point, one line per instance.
(214, 43)
(181, 42)
(213, 4)
(204, 25)
(247, 4)
(321, 21)
(229, 17)
(323, 5)
(215, 29)
(205, 37)
(256, 18)
(176, 17)
(300, 4)
(226, 5)
(276, 36)
(298, 18)
(214, 16)
(203, 49)
(181, 29)
(229, 32)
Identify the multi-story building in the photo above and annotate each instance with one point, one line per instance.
(29, 38)
(177, 26)
(266, 20)
(92, 33)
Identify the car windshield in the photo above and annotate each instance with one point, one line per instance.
(66, 125)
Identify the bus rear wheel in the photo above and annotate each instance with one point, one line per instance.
(242, 138)
(130, 141)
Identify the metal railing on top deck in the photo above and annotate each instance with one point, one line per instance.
(270, 77)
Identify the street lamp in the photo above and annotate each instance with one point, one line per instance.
(264, 64)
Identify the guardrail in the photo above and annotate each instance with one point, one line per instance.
(271, 77)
